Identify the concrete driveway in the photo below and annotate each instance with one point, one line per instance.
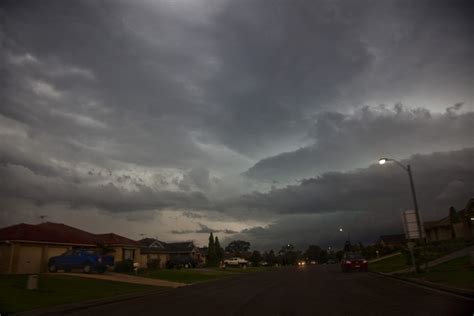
(119, 277)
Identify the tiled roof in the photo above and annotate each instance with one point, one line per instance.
(173, 247)
(60, 233)
(47, 232)
(186, 246)
(114, 239)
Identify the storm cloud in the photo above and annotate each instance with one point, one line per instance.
(146, 112)
(347, 141)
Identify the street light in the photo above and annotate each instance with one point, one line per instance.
(348, 234)
(407, 168)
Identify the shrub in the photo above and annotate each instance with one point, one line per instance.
(153, 264)
(125, 266)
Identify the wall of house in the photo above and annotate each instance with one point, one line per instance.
(118, 253)
(5, 255)
(27, 258)
(459, 230)
(443, 233)
(143, 260)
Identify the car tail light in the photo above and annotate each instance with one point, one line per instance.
(364, 261)
(348, 262)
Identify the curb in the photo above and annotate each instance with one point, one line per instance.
(469, 294)
(89, 303)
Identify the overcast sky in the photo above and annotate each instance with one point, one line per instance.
(260, 120)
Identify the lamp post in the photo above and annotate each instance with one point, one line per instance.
(348, 234)
(407, 168)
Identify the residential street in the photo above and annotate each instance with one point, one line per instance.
(311, 290)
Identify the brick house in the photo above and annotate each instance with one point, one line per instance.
(26, 248)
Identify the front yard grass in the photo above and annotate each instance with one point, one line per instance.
(394, 263)
(189, 276)
(457, 273)
(57, 290)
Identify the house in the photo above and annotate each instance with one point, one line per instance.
(120, 247)
(26, 248)
(161, 252)
(458, 224)
(392, 241)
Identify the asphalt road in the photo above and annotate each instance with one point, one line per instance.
(312, 290)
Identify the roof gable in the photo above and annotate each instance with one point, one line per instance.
(114, 239)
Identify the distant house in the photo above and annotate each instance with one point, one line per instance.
(392, 241)
(161, 252)
(120, 247)
(458, 224)
(26, 248)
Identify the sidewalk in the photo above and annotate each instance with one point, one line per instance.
(120, 277)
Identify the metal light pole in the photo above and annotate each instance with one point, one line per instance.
(407, 168)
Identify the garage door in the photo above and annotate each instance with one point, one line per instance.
(29, 259)
(56, 251)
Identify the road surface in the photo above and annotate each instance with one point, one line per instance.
(310, 290)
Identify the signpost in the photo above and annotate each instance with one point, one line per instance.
(412, 227)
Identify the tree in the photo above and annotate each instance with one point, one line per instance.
(270, 258)
(255, 258)
(237, 247)
(219, 250)
(211, 251)
(288, 255)
(315, 253)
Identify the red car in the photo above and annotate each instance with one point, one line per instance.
(353, 261)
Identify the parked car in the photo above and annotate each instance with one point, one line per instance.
(86, 259)
(236, 262)
(181, 262)
(353, 261)
(331, 261)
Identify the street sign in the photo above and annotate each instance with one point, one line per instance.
(410, 225)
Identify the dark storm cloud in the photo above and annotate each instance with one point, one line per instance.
(142, 105)
(377, 188)
(322, 230)
(203, 230)
(347, 141)
(144, 83)
(24, 184)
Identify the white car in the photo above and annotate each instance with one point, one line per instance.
(236, 262)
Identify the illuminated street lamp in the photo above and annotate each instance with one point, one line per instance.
(348, 234)
(407, 168)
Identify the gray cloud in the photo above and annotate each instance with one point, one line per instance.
(153, 105)
(203, 230)
(348, 141)
(373, 189)
(25, 184)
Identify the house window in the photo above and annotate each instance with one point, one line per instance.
(128, 254)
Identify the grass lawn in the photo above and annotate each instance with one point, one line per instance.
(390, 264)
(189, 276)
(457, 273)
(56, 290)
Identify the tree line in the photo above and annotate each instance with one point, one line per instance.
(288, 254)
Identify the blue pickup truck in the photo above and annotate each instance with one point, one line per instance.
(85, 259)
